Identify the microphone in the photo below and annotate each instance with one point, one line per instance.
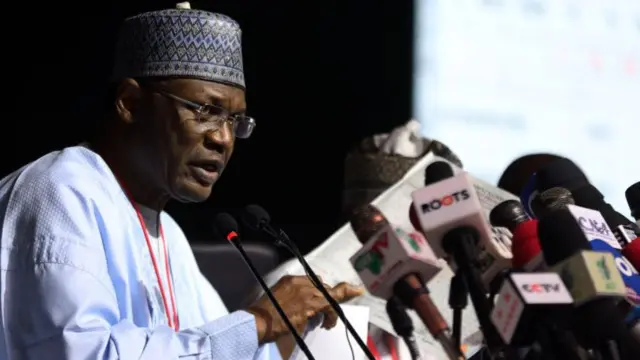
(402, 325)
(525, 245)
(490, 265)
(538, 203)
(443, 192)
(633, 200)
(532, 307)
(392, 262)
(258, 219)
(227, 226)
(554, 199)
(590, 276)
(453, 222)
(528, 256)
(603, 238)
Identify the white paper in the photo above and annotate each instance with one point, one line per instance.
(332, 344)
(331, 260)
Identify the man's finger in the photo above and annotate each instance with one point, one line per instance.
(330, 318)
(345, 292)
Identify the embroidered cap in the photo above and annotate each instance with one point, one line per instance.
(180, 42)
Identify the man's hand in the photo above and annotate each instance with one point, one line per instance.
(300, 301)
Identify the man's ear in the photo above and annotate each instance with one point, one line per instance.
(128, 99)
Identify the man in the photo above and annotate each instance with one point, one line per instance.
(92, 268)
(378, 162)
(517, 174)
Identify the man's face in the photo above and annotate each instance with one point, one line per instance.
(179, 147)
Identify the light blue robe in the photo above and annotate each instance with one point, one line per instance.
(77, 280)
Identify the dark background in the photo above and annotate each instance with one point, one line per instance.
(321, 75)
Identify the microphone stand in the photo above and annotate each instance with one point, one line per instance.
(457, 302)
(460, 243)
(301, 344)
(281, 239)
(403, 325)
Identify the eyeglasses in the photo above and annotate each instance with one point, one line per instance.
(213, 117)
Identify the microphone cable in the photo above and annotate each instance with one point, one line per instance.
(226, 225)
(257, 218)
(457, 302)
(402, 325)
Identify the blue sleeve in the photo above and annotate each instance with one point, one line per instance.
(60, 303)
(66, 313)
(268, 351)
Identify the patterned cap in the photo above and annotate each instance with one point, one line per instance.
(180, 43)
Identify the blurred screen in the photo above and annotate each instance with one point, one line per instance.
(497, 79)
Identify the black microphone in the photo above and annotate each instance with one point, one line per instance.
(531, 309)
(227, 226)
(402, 325)
(545, 316)
(258, 219)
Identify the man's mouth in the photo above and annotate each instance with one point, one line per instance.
(209, 167)
(206, 172)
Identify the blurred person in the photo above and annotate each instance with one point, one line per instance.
(92, 267)
(517, 174)
(379, 161)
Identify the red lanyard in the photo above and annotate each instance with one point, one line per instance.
(391, 346)
(172, 316)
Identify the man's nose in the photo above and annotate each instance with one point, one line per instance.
(220, 140)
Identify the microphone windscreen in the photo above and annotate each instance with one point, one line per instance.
(508, 214)
(437, 171)
(366, 221)
(255, 215)
(225, 224)
(560, 236)
(525, 244)
(556, 198)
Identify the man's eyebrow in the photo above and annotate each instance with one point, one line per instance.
(216, 98)
(240, 112)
